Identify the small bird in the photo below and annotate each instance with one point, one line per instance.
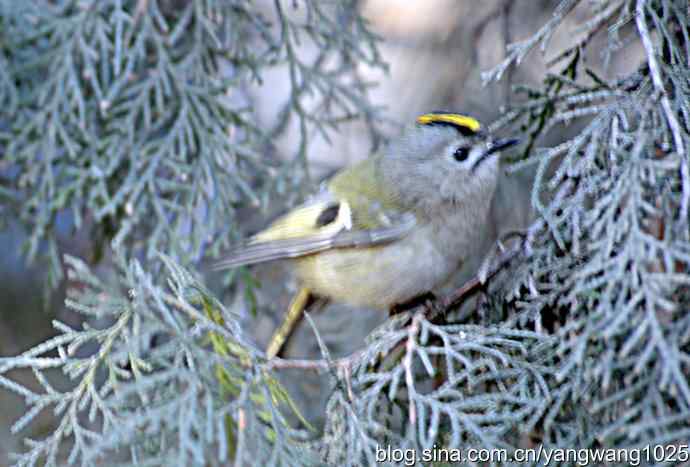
(391, 227)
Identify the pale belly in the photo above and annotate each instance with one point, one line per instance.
(379, 277)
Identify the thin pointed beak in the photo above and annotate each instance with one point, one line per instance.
(494, 147)
(501, 144)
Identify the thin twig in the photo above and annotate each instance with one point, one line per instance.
(140, 10)
(459, 295)
(241, 435)
(507, 39)
(313, 364)
(655, 71)
(600, 21)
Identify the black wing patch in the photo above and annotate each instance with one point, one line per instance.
(328, 215)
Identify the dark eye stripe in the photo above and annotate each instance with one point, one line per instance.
(328, 215)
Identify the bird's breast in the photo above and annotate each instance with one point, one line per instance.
(386, 275)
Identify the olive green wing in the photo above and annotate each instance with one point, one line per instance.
(347, 213)
(372, 205)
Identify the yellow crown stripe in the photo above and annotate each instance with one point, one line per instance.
(453, 119)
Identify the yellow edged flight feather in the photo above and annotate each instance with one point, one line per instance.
(350, 212)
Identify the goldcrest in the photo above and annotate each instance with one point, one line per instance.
(393, 226)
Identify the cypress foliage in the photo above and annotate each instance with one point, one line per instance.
(133, 118)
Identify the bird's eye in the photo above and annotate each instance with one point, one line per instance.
(461, 153)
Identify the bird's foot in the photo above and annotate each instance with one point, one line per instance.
(427, 300)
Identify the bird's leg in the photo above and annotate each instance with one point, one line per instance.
(297, 306)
